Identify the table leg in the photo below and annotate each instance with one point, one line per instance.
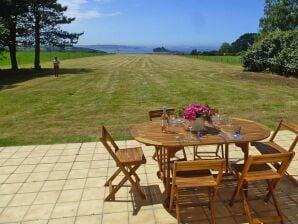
(168, 172)
(227, 157)
(244, 147)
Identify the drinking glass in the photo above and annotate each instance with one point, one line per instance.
(172, 120)
(201, 132)
(237, 131)
(190, 137)
(215, 119)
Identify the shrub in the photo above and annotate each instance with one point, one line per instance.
(276, 52)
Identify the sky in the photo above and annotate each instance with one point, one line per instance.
(163, 22)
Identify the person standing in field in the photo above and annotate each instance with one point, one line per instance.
(56, 63)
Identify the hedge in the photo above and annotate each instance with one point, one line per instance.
(276, 52)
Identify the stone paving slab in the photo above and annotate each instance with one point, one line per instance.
(63, 183)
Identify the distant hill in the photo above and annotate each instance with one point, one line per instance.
(124, 49)
(161, 50)
(84, 49)
(57, 49)
(129, 49)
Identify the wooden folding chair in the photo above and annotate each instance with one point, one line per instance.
(198, 154)
(195, 174)
(271, 146)
(127, 160)
(258, 168)
(157, 114)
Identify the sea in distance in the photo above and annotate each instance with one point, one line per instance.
(125, 49)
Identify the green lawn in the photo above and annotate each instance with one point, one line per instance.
(234, 60)
(26, 58)
(118, 91)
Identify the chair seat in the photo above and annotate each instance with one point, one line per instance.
(130, 156)
(256, 172)
(268, 147)
(202, 178)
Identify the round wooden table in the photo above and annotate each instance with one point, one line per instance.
(150, 133)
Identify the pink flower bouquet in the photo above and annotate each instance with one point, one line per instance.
(196, 110)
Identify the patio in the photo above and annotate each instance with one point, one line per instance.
(63, 183)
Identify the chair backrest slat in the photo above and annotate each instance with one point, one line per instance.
(283, 158)
(109, 144)
(158, 113)
(290, 126)
(214, 164)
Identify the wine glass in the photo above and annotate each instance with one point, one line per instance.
(190, 137)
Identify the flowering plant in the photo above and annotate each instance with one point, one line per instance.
(196, 110)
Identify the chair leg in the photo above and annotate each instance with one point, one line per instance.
(134, 185)
(114, 190)
(124, 179)
(275, 202)
(155, 154)
(115, 174)
(195, 150)
(236, 192)
(245, 188)
(217, 149)
(246, 207)
(274, 183)
(212, 204)
(137, 178)
(159, 162)
(177, 209)
(173, 192)
(222, 151)
(184, 154)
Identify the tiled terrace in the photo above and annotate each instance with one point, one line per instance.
(63, 183)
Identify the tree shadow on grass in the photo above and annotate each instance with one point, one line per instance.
(9, 79)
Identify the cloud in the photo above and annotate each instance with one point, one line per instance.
(104, 1)
(110, 14)
(75, 8)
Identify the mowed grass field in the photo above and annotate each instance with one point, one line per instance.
(228, 59)
(26, 58)
(119, 90)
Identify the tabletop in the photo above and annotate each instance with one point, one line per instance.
(150, 133)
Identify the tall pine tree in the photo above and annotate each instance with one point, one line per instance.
(10, 13)
(44, 21)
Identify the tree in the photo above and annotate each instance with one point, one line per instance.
(280, 15)
(3, 37)
(276, 52)
(225, 48)
(243, 42)
(44, 21)
(194, 52)
(161, 50)
(10, 13)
